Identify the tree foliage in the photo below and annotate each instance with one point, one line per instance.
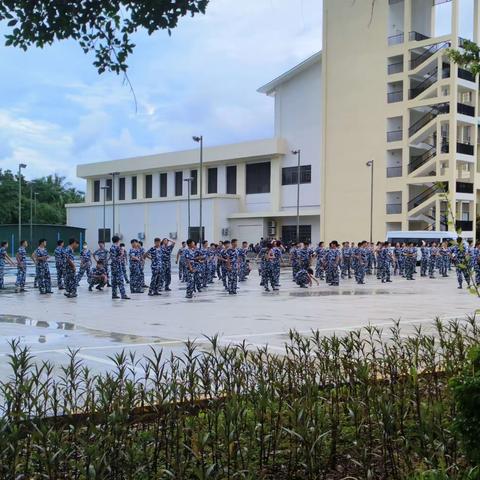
(468, 56)
(104, 27)
(52, 193)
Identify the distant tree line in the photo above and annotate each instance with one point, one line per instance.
(45, 197)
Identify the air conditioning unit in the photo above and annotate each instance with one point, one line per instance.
(272, 224)
(272, 228)
(225, 232)
(173, 235)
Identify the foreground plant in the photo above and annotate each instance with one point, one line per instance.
(369, 404)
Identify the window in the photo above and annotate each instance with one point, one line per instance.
(258, 178)
(289, 233)
(232, 180)
(194, 234)
(163, 184)
(96, 191)
(194, 182)
(289, 175)
(148, 186)
(134, 188)
(178, 184)
(212, 180)
(104, 235)
(121, 188)
(108, 183)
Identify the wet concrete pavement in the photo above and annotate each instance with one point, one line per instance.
(100, 326)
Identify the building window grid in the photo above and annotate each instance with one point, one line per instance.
(194, 182)
(258, 178)
(289, 175)
(178, 184)
(109, 183)
(212, 180)
(289, 233)
(231, 186)
(163, 185)
(121, 188)
(134, 188)
(148, 186)
(96, 190)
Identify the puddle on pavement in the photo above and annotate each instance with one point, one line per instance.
(68, 326)
(328, 293)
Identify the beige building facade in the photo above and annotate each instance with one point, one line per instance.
(391, 95)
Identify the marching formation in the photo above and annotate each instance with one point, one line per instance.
(200, 264)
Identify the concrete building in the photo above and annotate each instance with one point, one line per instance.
(392, 95)
(382, 91)
(249, 189)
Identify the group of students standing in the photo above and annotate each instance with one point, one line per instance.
(200, 264)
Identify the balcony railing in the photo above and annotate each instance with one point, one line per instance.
(417, 37)
(466, 109)
(464, 187)
(466, 75)
(396, 39)
(427, 194)
(394, 208)
(465, 148)
(394, 97)
(464, 225)
(394, 172)
(419, 59)
(395, 136)
(396, 67)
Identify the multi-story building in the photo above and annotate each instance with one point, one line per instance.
(387, 128)
(392, 95)
(249, 189)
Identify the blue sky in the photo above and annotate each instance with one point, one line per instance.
(57, 112)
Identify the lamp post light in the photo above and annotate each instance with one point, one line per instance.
(298, 153)
(104, 188)
(200, 141)
(20, 166)
(189, 181)
(370, 164)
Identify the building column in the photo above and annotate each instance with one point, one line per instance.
(275, 180)
(241, 184)
(140, 186)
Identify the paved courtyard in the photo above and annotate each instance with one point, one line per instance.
(99, 326)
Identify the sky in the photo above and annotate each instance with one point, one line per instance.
(57, 112)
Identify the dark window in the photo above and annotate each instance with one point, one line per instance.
(121, 188)
(134, 188)
(289, 175)
(148, 186)
(178, 184)
(212, 180)
(163, 184)
(194, 182)
(96, 191)
(289, 233)
(108, 184)
(232, 180)
(258, 178)
(194, 233)
(104, 235)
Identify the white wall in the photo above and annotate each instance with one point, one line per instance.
(298, 119)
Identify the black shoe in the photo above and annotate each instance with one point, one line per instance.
(108, 285)
(90, 289)
(267, 290)
(189, 296)
(125, 297)
(168, 289)
(127, 281)
(151, 294)
(49, 291)
(275, 289)
(460, 287)
(115, 297)
(61, 288)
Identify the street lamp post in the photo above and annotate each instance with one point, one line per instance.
(189, 183)
(298, 154)
(31, 215)
(104, 188)
(370, 164)
(200, 141)
(35, 195)
(20, 166)
(113, 201)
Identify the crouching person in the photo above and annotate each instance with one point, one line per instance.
(304, 278)
(98, 277)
